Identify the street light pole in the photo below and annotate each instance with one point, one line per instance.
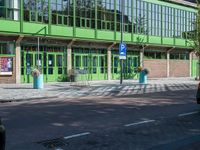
(122, 31)
(38, 52)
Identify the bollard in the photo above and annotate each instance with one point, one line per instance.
(198, 95)
(2, 136)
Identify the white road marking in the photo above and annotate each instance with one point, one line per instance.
(186, 114)
(138, 123)
(76, 135)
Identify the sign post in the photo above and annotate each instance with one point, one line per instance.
(122, 51)
(122, 46)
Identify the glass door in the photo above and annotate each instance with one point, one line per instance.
(51, 67)
(90, 67)
(82, 67)
(130, 67)
(102, 68)
(59, 67)
(115, 67)
(85, 72)
(94, 67)
(30, 62)
(54, 67)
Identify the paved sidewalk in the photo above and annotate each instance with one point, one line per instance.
(19, 92)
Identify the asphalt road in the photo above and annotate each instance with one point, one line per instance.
(162, 120)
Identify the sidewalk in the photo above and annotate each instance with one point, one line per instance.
(23, 92)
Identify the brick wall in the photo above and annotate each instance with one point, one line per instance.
(157, 68)
(179, 68)
(9, 78)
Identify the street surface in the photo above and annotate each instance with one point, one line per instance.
(162, 115)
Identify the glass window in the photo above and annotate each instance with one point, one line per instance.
(7, 48)
(179, 56)
(36, 10)
(85, 13)
(105, 14)
(154, 55)
(9, 9)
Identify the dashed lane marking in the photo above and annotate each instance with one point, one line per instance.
(76, 135)
(187, 114)
(138, 123)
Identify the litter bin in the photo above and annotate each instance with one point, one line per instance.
(2, 136)
(72, 78)
(38, 82)
(143, 77)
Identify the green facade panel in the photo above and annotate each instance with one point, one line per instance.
(139, 38)
(62, 31)
(194, 68)
(85, 33)
(9, 26)
(155, 40)
(180, 42)
(35, 28)
(168, 41)
(161, 31)
(126, 36)
(105, 35)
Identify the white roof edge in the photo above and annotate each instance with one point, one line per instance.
(183, 2)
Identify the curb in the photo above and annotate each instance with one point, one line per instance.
(22, 100)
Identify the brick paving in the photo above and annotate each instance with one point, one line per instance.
(18, 92)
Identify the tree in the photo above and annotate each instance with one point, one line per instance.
(140, 25)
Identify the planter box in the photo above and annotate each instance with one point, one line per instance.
(143, 78)
(38, 82)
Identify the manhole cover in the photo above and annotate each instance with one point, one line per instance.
(55, 144)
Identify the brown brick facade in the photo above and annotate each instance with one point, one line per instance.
(157, 68)
(179, 68)
(9, 78)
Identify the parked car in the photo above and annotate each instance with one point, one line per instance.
(2, 136)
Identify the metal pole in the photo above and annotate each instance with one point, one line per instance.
(122, 31)
(38, 52)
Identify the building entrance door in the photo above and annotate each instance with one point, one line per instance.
(29, 61)
(129, 67)
(115, 67)
(54, 66)
(90, 67)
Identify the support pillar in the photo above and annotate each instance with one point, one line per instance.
(109, 63)
(168, 60)
(17, 62)
(142, 58)
(69, 55)
(69, 59)
(143, 47)
(109, 59)
(168, 63)
(190, 64)
(18, 59)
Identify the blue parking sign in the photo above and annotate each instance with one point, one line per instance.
(122, 51)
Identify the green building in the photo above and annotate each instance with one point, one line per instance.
(84, 35)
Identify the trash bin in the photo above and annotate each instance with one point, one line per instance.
(143, 77)
(38, 82)
(72, 78)
(2, 136)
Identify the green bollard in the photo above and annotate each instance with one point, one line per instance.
(2, 136)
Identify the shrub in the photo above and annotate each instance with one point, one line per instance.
(35, 72)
